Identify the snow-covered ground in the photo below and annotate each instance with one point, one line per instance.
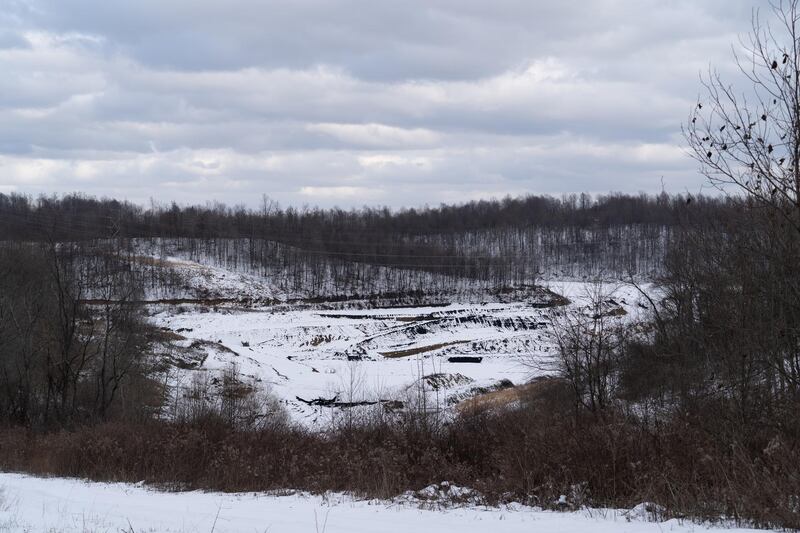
(372, 354)
(29, 504)
(220, 315)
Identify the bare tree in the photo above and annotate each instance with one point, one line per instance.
(590, 344)
(750, 141)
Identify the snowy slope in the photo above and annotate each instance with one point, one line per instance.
(313, 354)
(223, 315)
(373, 354)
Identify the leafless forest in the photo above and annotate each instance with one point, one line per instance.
(693, 406)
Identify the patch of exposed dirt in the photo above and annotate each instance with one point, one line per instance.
(316, 340)
(617, 311)
(419, 349)
(165, 335)
(417, 318)
(446, 381)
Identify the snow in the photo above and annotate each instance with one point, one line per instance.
(315, 354)
(221, 314)
(30, 504)
(371, 354)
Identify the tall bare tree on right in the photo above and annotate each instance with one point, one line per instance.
(734, 283)
(748, 139)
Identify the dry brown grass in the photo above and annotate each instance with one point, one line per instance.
(166, 335)
(532, 452)
(498, 399)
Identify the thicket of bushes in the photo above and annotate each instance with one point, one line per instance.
(533, 453)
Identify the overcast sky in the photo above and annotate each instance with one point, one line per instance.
(348, 103)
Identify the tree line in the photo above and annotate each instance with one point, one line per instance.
(497, 243)
(63, 361)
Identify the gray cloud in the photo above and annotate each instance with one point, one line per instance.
(353, 102)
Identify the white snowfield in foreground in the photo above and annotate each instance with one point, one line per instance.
(29, 504)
